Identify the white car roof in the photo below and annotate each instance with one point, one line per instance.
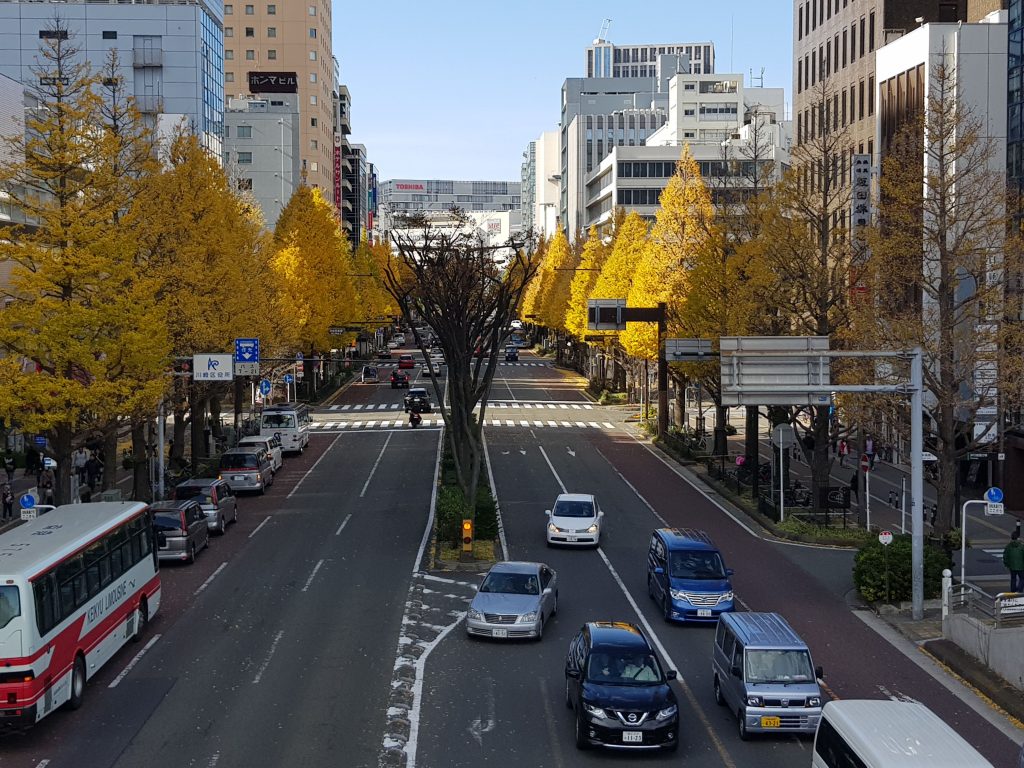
(575, 497)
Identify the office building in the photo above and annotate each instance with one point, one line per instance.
(261, 149)
(343, 153)
(416, 196)
(357, 216)
(540, 184)
(285, 47)
(605, 59)
(1015, 98)
(528, 180)
(171, 55)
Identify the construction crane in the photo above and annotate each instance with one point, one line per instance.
(602, 36)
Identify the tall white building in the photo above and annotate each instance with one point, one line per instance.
(605, 59)
(540, 184)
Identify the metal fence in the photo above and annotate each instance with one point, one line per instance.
(1005, 609)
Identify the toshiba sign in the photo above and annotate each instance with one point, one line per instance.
(409, 186)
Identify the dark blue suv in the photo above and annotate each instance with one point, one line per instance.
(618, 690)
(687, 577)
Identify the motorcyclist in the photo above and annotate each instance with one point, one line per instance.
(415, 418)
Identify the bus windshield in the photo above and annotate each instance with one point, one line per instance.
(10, 605)
(279, 420)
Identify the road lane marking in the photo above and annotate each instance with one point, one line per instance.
(554, 740)
(334, 407)
(312, 576)
(43, 763)
(310, 470)
(432, 577)
(494, 494)
(343, 523)
(380, 456)
(608, 425)
(270, 655)
(552, 468)
(131, 664)
(433, 505)
(211, 577)
(417, 693)
(566, 424)
(356, 424)
(257, 529)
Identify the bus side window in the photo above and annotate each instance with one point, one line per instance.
(96, 565)
(45, 599)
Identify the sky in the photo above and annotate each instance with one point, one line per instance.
(457, 90)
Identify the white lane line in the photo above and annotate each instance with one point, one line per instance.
(131, 664)
(370, 424)
(432, 577)
(509, 423)
(43, 763)
(210, 578)
(270, 655)
(538, 423)
(257, 528)
(552, 468)
(566, 424)
(576, 407)
(310, 470)
(552, 423)
(417, 693)
(594, 424)
(356, 424)
(357, 407)
(342, 526)
(346, 407)
(433, 504)
(494, 494)
(380, 456)
(607, 425)
(214, 759)
(334, 407)
(312, 576)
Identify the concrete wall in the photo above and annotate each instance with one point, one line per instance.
(1002, 650)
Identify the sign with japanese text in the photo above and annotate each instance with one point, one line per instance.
(273, 82)
(214, 367)
(860, 203)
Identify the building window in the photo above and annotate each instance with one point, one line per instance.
(314, 167)
(229, 77)
(312, 10)
(108, 35)
(313, 145)
(312, 32)
(862, 36)
(271, 10)
(245, 185)
(312, 77)
(312, 122)
(228, 10)
(871, 95)
(244, 132)
(250, 32)
(53, 34)
(228, 54)
(250, 55)
(272, 53)
(229, 31)
(245, 158)
(312, 55)
(871, 31)
(271, 31)
(249, 10)
(312, 99)
(227, 135)
(860, 101)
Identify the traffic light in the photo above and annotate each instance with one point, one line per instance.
(467, 535)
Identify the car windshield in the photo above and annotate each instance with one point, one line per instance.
(417, 393)
(511, 583)
(279, 421)
(619, 668)
(239, 461)
(573, 509)
(10, 605)
(778, 666)
(696, 564)
(167, 521)
(197, 492)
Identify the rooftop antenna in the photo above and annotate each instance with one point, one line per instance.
(602, 36)
(759, 80)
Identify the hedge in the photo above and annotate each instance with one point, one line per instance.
(869, 570)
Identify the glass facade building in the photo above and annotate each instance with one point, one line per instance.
(1015, 97)
(212, 75)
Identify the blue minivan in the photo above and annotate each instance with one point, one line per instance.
(687, 577)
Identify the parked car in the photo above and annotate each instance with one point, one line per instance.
(369, 375)
(246, 470)
(515, 599)
(393, 345)
(384, 353)
(687, 577)
(271, 443)
(511, 353)
(417, 400)
(430, 368)
(516, 324)
(398, 340)
(763, 673)
(406, 361)
(575, 520)
(618, 690)
(399, 379)
(215, 497)
(180, 528)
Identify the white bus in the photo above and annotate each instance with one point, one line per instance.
(75, 585)
(290, 423)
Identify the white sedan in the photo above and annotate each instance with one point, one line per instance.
(574, 520)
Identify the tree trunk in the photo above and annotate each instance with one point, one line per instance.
(141, 488)
(110, 457)
(751, 452)
(721, 438)
(178, 433)
(199, 451)
(820, 460)
(61, 446)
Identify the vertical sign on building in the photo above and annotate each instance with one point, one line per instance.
(337, 170)
(860, 181)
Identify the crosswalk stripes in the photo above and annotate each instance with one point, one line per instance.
(336, 426)
(544, 406)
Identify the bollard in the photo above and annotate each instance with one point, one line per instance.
(947, 587)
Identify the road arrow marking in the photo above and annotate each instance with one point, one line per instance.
(570, 450)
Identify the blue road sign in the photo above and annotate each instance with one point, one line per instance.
(265, 386)
(298, 355)
(288, 378)
(27, 501)
(247, 350)
(40, 441)
(994, 495)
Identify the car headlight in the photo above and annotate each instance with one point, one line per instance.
(593, 711)
(754, 701)
(552, 528)
(677, 594)
(814, 701)
(526, 618)
(592, 529)
(666, 713)
(474, 614)
(726, 598)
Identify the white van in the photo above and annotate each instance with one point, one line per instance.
(889, 734)
(289, 423)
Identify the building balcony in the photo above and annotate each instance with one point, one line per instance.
(147, 57)
(149, 104)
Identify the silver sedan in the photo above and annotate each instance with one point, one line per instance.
(515, 599)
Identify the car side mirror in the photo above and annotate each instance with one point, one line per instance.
(547, 591)
(737, 671)
(547, 512)
(819, 673)
(659, 571)
(671, 674)
(600, 513)
(573, 673)
(729, 571)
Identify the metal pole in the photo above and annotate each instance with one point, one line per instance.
(160, 450)
(917, 482)
(963, 536)
(782, 497)
(903, 505)
(662, 373)
(867, 497)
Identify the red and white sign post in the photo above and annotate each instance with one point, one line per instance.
(885, 539)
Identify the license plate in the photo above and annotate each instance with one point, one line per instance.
(239, 477)
(703, 611)
(499, 633)
(572, 538)
(632, 737)
(771, 722)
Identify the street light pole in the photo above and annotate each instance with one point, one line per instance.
(662, 372)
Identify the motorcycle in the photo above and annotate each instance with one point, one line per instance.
(414, 419)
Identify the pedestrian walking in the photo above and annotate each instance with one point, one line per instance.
(892, 498)
(855, 486)
(9, 468)
(47, 484)
(1013, 559)
(869, 450)
(78, 461)
(844, 451)
(31, 461)
(93, 467)
(7, 497)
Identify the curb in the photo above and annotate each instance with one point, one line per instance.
(329, 400)
(977, 675)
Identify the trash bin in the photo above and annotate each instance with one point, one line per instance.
(114, 494)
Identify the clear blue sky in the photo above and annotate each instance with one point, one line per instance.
(456, 90)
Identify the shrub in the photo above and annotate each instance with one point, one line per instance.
(449, 513)
(796, 527)
(869, 570)
(486, 514)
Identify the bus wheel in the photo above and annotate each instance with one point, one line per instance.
(143, 621)
(77, 683)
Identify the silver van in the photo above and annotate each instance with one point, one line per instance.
(216, 498)
(763, 672)
(246, 469)
(180, 528)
